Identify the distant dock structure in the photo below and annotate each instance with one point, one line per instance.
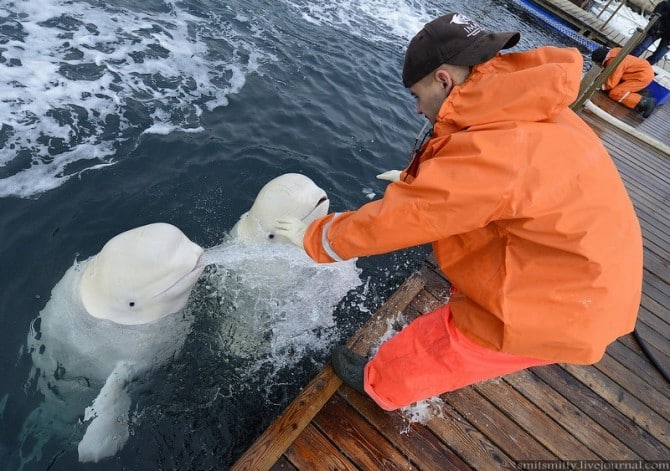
(592, 30)
(584, 23)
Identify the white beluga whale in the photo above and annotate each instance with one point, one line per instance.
(288, 195)
(271, 300)
(109, 319)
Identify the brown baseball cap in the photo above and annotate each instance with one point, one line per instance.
(452, 39)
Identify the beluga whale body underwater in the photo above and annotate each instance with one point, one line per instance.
(125, 311)
(110, 318)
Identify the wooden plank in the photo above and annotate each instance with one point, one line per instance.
(589, 432)
(373, 330)
(655, 322)
(534, 421)
(656, 308)
(357, 439)
(643, 187)
(653, 288)
(500, 429)
(647, 219)
(635, 385)
(631, 159)
(436, 283)
(415, 441)
(647, 202)
(423, 303)
(623, 401)
(471, 444)
(659, 353)
(631, 162)
(635, 437)
(655, 244)
(652, 337)
(312, 451)
(624, 145)
(627, 352)
(645, 193)
(272, 443)
(660, 357)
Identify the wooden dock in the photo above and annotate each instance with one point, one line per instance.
(586, 23)
(618, 409)
(585, 27)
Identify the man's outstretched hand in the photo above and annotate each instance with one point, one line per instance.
(293, 229)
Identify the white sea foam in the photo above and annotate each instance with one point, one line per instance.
(273, 302)
(77, 79)
(423, 412)
(379, 20)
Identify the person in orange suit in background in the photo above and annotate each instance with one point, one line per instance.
(630, 76)
(525, 210)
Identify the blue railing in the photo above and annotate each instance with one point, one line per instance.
(547, 18)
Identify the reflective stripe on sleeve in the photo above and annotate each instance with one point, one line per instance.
(324, 241)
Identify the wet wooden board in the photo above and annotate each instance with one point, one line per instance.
(617, 409)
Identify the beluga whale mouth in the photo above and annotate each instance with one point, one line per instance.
(188, 279)
(318, 210)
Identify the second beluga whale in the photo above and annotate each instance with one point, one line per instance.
(110, 318)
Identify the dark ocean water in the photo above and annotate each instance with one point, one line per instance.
(118, 114)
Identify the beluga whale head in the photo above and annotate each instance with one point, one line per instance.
(141, 275)
(288, 195)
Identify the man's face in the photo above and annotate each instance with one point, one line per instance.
(430, 92)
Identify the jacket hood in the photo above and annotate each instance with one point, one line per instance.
(527, 86)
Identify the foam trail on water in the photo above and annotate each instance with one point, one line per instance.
(382, 21)
(78, 80)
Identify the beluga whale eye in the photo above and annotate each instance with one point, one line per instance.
(271, 236)
(131, 304)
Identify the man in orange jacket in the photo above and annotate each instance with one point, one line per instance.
(525, 210)
(629, 77)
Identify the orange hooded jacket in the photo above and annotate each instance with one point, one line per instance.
(525, 210)
(630, 76)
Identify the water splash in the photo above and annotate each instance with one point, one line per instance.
(273, 302)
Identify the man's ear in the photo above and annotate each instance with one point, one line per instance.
(444, 77)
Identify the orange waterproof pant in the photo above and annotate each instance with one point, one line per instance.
(430, 357)
(625, 92)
